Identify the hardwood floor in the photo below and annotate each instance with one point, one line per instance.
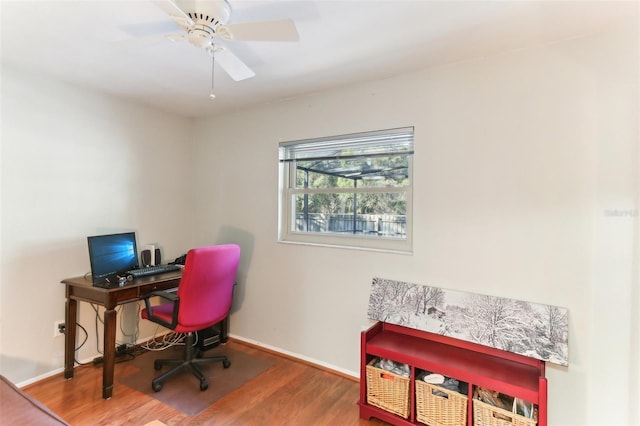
(289, 393)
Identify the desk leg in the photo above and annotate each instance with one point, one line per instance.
(109, 352)
(70, 317)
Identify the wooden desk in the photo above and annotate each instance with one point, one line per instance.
(81, 288)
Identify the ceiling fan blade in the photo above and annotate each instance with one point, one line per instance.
(181, 13)
(184, 22)
(146, 29)
(176, 37)
(231, 64)
(276, 30)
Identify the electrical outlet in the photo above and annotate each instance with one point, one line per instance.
(58, 328)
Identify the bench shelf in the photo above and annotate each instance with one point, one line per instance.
(479, 366)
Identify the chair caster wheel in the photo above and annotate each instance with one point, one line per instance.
(156, 365)
(226, 363)
(157, 387)
(204, 385)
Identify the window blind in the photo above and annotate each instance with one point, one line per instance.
(368, 144)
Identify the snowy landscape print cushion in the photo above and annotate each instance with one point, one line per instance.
(530, 329)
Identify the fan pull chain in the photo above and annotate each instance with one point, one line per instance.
(212, 95)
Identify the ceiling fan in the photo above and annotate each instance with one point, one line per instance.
(206, 24)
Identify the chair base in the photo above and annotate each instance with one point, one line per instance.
(190, 362)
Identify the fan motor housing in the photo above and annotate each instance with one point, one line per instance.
(210, 12)
(207, 17)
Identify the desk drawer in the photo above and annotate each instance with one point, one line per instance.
(126, 294)
(144, 291)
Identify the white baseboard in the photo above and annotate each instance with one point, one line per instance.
(48, 374)
(297, 356)
(325, 365)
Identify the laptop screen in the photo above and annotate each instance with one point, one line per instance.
(112, 254)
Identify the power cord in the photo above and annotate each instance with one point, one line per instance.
(162, 342)
(124, 352)
(97, 320)
(136, 331)
(86, 337)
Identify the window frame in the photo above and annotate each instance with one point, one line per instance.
(287, 191)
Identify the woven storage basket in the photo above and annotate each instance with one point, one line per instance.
(387, 390)
(485, 415)
(437, 409)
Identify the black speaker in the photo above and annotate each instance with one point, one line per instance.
(157, 260)
(145, 257)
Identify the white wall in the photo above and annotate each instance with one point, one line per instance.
(74, 164)
(520, 161)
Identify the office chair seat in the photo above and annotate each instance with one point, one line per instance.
(202, 300)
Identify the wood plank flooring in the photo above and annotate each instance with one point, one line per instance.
(289, 393)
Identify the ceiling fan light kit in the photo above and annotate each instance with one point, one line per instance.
(200, 36)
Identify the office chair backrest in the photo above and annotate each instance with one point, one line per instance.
(206, 287)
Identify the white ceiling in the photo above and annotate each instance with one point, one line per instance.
(118, 47)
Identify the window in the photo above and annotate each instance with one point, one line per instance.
(351, 190)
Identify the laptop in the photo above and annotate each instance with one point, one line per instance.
(111, 255)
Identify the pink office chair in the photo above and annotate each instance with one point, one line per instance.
(203, 299)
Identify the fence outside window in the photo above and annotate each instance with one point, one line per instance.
(363, 224)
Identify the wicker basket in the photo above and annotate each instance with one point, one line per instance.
(485, 415)
(438, 409)
(387, 390)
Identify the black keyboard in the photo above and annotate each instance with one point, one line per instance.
(152, 270)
